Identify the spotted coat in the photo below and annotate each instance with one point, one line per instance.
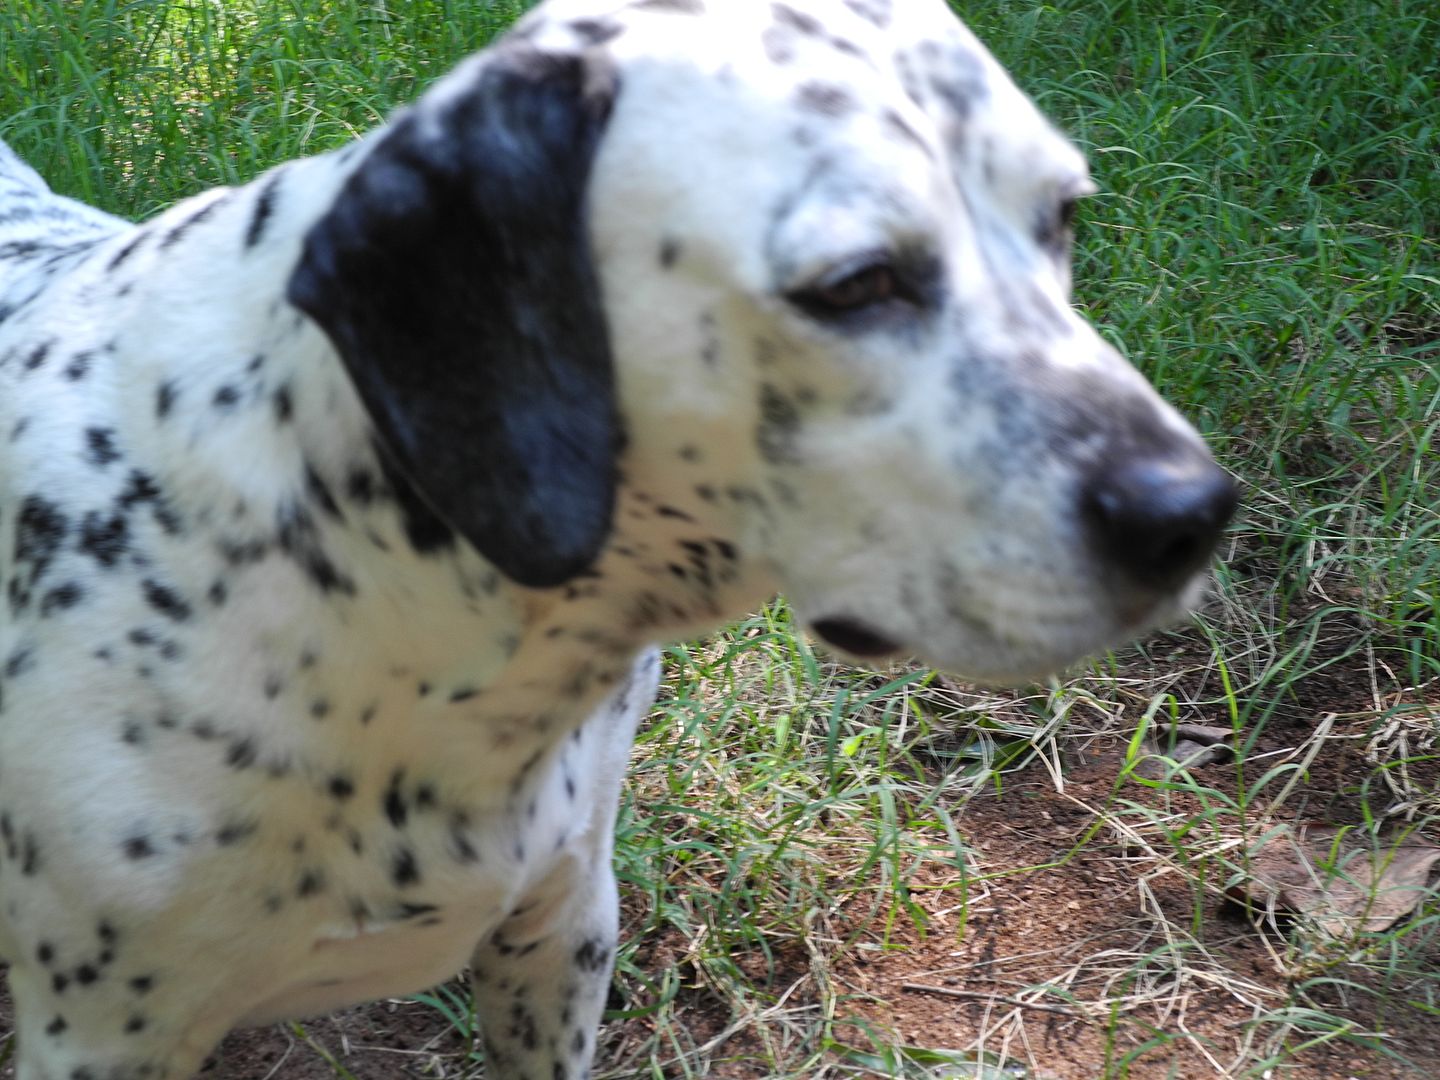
(340, 512)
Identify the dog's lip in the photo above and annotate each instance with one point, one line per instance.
(854, 636)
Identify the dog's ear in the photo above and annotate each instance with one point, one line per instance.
(453, 275)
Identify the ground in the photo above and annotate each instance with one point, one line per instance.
(1069, 946)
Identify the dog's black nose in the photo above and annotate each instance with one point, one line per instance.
(1158, 520)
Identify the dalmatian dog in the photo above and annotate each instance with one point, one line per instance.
(340, 512)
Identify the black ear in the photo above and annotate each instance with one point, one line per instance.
(453, 274)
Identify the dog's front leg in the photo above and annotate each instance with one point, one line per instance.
(541, 980)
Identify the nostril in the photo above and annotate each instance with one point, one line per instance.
(1159, 520)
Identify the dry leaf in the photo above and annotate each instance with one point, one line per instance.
(1343, 878)
(1194, 745)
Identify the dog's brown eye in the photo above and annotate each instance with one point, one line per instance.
(872, 285)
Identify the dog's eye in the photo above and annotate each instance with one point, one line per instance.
(872, 285)
(851, 291)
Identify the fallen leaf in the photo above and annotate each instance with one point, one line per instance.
(1188, 746)
(1345, 879)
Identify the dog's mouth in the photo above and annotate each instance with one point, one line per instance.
(854, 637)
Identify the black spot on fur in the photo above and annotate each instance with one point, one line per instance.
(138, 847)
(234, 832)
(283, 403)
(142, 490)
(592, 955)
(319, 492)
(56, 1026)
(79, 366)
(779, 425)
(404, 871)
(165, 600)
(299, 538)
(311, 882)
(175, 235)
(100, 447)
(104, 538)
(875, 11)
(264, 207)
(61, 598)
(242, 754)
(393, 802)
(825, 99)
(126, 251)
(597, 31)
(165, 395)
(40, 530)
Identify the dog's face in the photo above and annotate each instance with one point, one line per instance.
(830, 242)
(844, 276)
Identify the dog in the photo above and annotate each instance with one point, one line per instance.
(340, 512)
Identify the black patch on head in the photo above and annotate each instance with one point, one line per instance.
(226, 398)
(453, 275)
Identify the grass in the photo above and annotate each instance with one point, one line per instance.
(1265, 250)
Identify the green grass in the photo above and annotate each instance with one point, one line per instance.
(1265, 249)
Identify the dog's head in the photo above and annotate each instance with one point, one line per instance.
(826, 243)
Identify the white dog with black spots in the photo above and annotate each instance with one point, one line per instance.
(340, 513)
